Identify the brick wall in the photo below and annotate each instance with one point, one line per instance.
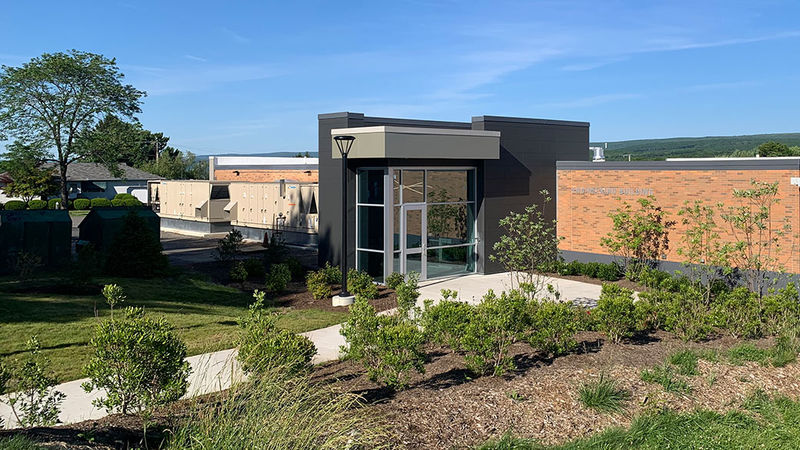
(262, 176)
(585, 198)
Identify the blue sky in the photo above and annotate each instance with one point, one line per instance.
(252, 76)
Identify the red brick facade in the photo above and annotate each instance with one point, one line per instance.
(585, 198)
(267, 175)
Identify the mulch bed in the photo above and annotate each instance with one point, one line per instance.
(298, 297)
(448, 408)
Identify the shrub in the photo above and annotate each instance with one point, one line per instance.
(138, 361)
(609, 272)
(278, 277)
(255, 268)
(603, 395)
(279, 412)
(132, 202)
(738, 313)
(37, 204)
(317, 284)
(333, 275)
(553, 326)
(114, 296)
(26, 264)
(238, 272)
(683, 312)
(445, 322)
(15, 205)
(264, 347)
(666, 377)
(82, 204)
(118, 202)
(296, 268)
(100, 202)
(123, 196)
(360, 283)
(388, 346)
(33, 400)
(54, 203)
(394, 279)
(136, 250)
(496, 324)
(407, 294)
(228, 248)
(616, 313)
(781, 310)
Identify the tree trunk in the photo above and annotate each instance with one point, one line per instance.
(62, 166)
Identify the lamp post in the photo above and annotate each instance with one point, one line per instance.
(344, 143)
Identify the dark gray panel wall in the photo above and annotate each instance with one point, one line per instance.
(529, 150)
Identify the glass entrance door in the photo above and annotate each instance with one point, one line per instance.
(413, 240)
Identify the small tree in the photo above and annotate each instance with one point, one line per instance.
(136, 250)
(33, 401)
(701, 246)
(529, 244)
(757, 235)
(407, 294)
(29, 180)
(229, 247)
(264, 347)
(639, 236)
(138, 361)
(114, 296)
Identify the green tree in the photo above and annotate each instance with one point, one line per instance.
(176, 165)
(706, 256)
(773, 148)
(24, 166)
(51, 100)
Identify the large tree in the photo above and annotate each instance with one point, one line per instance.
(29, 179)
(123, 141)
(52, 99)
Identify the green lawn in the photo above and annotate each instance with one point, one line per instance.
(78, 212)
(203, 313)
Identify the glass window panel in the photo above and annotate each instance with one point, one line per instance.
(448, 186)
(413, 228)
(396, 263)
(442, 262)
(372, 263)
(396, 186)
(370, 227)
(414, 263)
(451, 224)
(370, 186)
(413, 186)
(397, 228)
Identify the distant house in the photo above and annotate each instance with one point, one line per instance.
(92, 180)
(5, 180)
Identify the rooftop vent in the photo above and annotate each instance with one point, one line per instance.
(598, 153)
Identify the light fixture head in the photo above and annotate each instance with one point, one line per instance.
(345, 143)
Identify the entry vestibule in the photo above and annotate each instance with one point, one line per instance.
(416, 219)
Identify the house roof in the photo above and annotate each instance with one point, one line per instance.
(83, 171)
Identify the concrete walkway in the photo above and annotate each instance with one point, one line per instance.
(212, 372)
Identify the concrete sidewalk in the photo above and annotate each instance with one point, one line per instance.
(212, 372)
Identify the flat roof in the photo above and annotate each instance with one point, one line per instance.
(687, 164)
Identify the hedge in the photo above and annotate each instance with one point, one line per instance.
(37, 204)
(16, 205)
(131, 202)
(82, 203)
(100, 202)
(117, 202)
(123, 196)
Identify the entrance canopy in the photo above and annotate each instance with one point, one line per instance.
(407, 142)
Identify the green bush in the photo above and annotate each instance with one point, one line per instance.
(388, 346)
(238, 272)
(738, 312)
(131, 202)
(15, 205)
(333, 275)
(609, 272)
(445, 322)
(37, 204)
(136, 250)
(407, 294)
(616, 313)
(82, 204)
(360, 283)
(118, 202)
(318, 286)
(54, 203)
(394, 279)
(553, 326)
(228, 248)
(100, 202)
(496, 324)
(781, 310)
(296, 268)
(32, 398)
(683, 313)
(123, 196)
(255, 268)
(278, 277)
(264, 347)
(139, 362)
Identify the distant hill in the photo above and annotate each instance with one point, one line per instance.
(275, 154)
(692, 147)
